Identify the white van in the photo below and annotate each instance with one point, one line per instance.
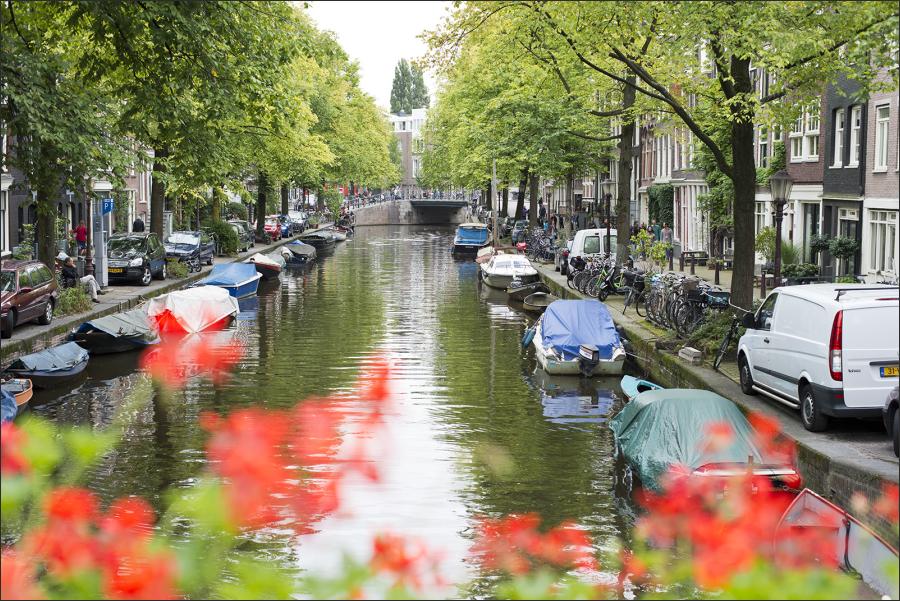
(592, 242)
(831, 349)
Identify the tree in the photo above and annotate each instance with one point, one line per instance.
(408, 90)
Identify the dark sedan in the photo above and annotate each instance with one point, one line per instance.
(28, 291)
(191, 247)
(139, 257)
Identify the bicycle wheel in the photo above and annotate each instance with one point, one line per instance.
(640, 304)
(726, 342)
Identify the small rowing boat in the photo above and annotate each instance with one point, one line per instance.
(631, 386)
(117, 333)
(520, 290)
(268, 266)
(20, 389)
(51, 367)
(538, 302)
(239, 279)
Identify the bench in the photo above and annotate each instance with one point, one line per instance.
(699, 256)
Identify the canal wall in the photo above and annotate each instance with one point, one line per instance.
(37, 338)
(834, 468)
(402, 212)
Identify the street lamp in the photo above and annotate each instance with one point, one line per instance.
(608, 198)
(780, 184)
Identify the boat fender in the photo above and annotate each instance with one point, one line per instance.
(528, 337)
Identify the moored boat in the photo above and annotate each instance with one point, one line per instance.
(578, 336)
(192, 310)
(239, 279)
(502, 269)
(20, 389)
(470, 237)
(321, 240)
(848, 543)
(298, 252)
(338, 235)
(268, 266)
(51, 367)
(631, 386)
(519, 290)
(645, 430)
(117, 333)
(538, 302)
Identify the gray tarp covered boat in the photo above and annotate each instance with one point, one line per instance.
(668, 428)
(116, 333)
(51, 367)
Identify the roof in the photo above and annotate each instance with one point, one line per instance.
(853, 295)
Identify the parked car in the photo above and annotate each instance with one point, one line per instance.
(506, 226)
(135, 256)
(285, 222)
(829, 349)
(246, 238)
(28, 291)
(891, 415)
(191, 246)
(591, 242)
(518, 231)
(299, 221)
(272, 227)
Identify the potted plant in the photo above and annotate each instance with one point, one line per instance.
(843, 249)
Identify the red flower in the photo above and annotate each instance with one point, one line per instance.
(12, 460)
(888, 505)
(71, 504)
(17, 580)
(142, 577)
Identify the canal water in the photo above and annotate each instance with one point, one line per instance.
(475, 429)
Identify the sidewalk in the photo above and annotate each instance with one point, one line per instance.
(852, 456)
(31, 337)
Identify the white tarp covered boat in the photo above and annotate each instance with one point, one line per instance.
(502, 269)
(192, 310)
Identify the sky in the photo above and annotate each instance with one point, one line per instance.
(378, 34)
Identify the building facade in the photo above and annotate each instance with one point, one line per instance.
(408, 131)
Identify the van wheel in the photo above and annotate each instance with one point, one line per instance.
(896, 431)
(810, 412)
(746, 376)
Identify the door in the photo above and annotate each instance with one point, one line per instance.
(29, 307)
(798, 344)
(869, 354)
(759, 342)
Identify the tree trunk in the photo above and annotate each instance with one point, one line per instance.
(488, 201)
(520, 201)
(284, 199)
(625, 167)
(533, 186)
(158, 191)
(504, 202)
(218, 195)
(45, 228)
(262, 189)
(567, 213)
(744, 179)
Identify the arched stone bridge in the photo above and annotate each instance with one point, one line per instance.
(412, 212)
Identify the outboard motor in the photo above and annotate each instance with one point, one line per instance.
(588, 358)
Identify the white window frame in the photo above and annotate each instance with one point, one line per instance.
(761, 211)
(763, 144)
(855, 127)
(796, 139)
(882, 137)
(837, 159)
(811, 135)
(883, 239)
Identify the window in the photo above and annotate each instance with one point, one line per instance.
(797, 139)
(760, 216)
(763, 146)
(855, 124)
(837, 159)
(764, 317)
(882, 117)
(883, 241)
(811, 136)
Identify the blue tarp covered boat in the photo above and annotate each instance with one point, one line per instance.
(51, 367)
(10, 410)
(470, 237)
(578, 336)
(239, 279)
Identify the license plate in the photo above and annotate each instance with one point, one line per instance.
(891, 371)
(115, 270)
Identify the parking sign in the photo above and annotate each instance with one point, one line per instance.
(108, 205)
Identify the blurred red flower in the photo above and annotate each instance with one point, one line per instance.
(17, 577)
(12, 459)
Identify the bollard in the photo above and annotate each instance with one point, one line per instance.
(693, 261)
(716, 281)
(671, 260)
(762, 284)
(681, 262)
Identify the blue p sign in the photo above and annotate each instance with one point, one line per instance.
(107, 205)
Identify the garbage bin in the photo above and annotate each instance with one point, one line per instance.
(79, 266)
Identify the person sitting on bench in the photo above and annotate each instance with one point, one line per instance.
(70, 279)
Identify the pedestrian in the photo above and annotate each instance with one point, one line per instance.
(657, 231)
(70, 278)
(81, 237)
(667, 239)
(635, 228)
(138, 225)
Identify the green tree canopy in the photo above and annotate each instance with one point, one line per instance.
(408, 90)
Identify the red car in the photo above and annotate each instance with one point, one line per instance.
(28, 291)
(273, 228)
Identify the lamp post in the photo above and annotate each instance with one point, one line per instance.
(780, 184)
(608, 198)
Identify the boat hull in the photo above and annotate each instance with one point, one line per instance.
(469, 249)
(268, 272)
(631, 386)
(243, 289)
(101, 343)
(22, 390)
(559, 367)
(538, 302)
(319, 243)
(503, 281)
(522, 292)
(51, 379)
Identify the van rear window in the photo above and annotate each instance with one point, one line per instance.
(876, 328)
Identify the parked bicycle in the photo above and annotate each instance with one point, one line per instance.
(730, 335)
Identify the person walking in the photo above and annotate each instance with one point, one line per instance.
(138, 225)
(81, 237)
(667, 239)
(657, 231)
